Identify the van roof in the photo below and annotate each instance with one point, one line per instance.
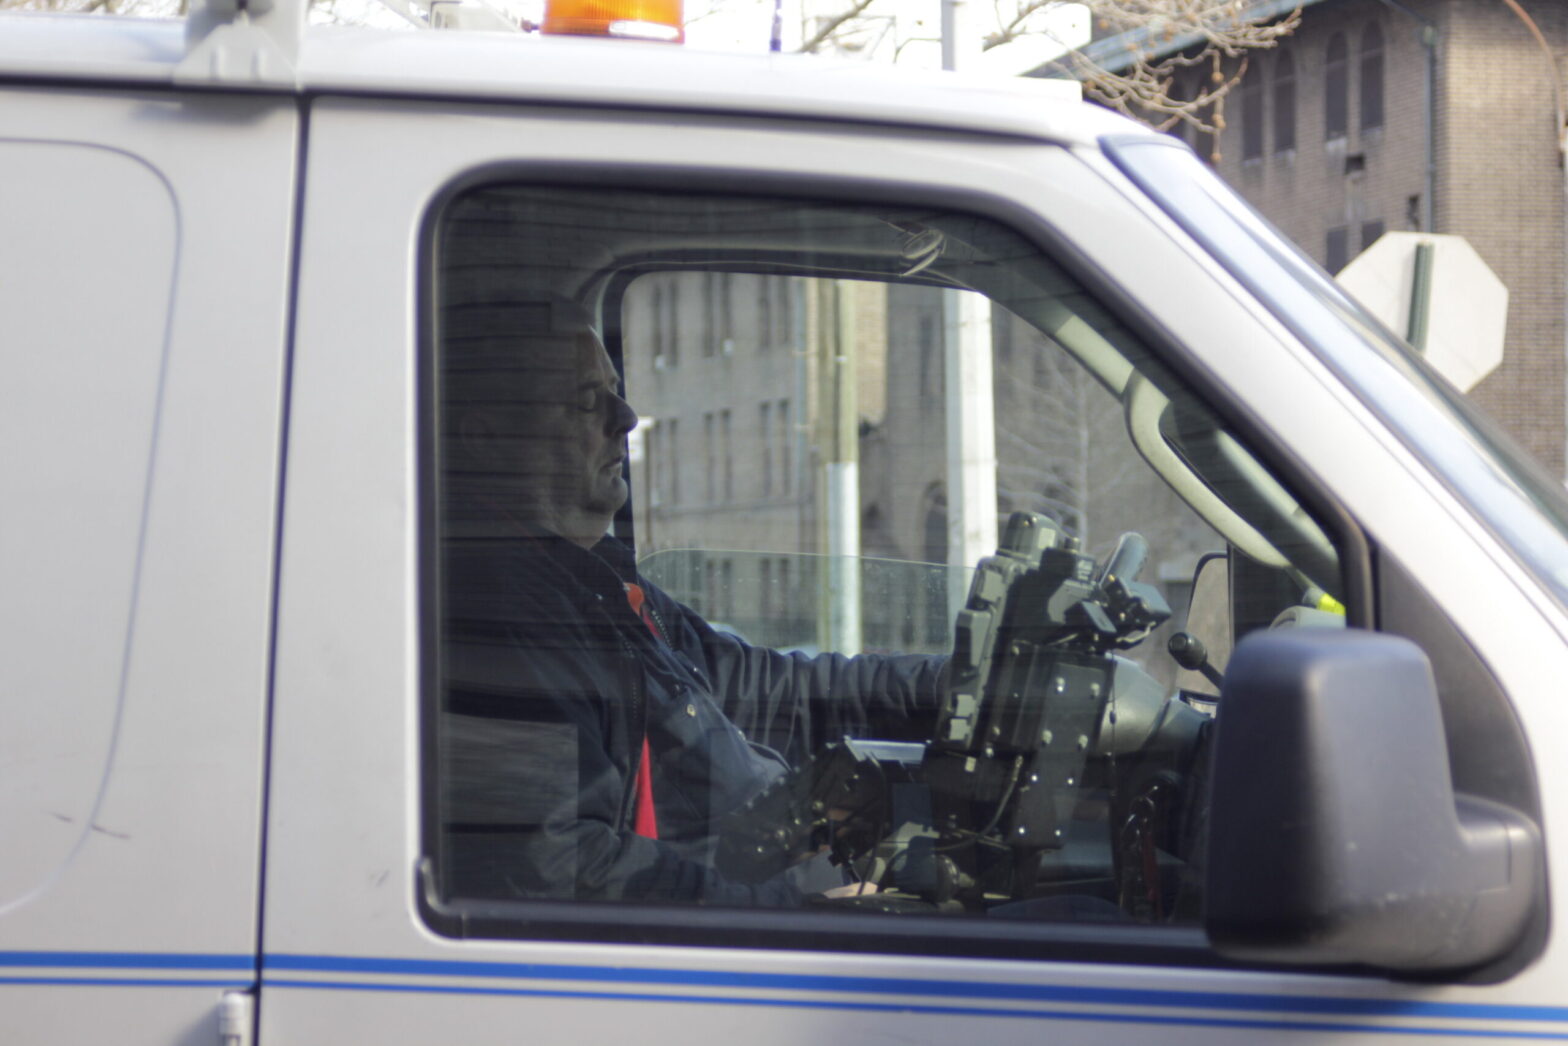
(516, 67)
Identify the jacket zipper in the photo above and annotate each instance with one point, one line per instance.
(637, 729)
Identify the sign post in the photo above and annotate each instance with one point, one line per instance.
(1439, 293)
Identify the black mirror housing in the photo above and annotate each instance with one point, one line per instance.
(1335, 834)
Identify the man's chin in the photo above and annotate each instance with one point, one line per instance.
(610, 499)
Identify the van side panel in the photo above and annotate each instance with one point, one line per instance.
(143, 285)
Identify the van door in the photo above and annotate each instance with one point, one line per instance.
(458, 844)
(143, 283)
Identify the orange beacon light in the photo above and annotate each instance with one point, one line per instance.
(626, 19)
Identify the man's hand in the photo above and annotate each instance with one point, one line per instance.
(861, 889)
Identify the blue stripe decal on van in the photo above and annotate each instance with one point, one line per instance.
(163, 962)
(1277, 1009)
(124, 982)
(1285, 1004)
(1233, 1023)
(130, 960)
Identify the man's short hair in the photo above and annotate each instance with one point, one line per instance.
(512, 353)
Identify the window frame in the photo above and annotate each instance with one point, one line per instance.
(832, 931)
(1336, 88)
(1282, 87)
(1254, 91)
(1336, 248)
(1371, 230)
(1372, 76)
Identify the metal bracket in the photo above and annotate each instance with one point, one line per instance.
(237, 1018)
(242, 42)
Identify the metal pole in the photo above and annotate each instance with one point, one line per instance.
(952, 19)
(1420, 298)
(971, 437)
(841, 470)
(969, 395)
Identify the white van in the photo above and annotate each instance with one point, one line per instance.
(312, 733)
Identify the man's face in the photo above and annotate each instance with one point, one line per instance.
(572, 460)
(604, 418)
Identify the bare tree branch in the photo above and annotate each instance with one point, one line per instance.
(1146, 88)
(1017, 24)
(1150, 81)
(828, 26)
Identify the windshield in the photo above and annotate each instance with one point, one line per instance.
(1510, 492)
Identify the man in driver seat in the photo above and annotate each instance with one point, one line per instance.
(594, 732)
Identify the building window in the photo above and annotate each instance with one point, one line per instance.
(672, 309)
(1002, 336)
(785, 311)
(710, 302)
(659, 348)
(729, 457)
(655, 463)
(1337, 251)
(1252, 113)
(673, 461)
(726, 313)
(784, 446)
(1284, 103)
(930, 357)
(764, 312)
(666, 302)
(934, 548)
(708, 461)
(765, 427)
(1336, 88)
(787, 603)
(1370, 231)
(1372, 78)
(933, 543)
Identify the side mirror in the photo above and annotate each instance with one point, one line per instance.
(1335, 833)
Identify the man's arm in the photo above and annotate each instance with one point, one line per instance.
(796, 703)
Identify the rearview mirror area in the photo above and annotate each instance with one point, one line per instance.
(1336, 837)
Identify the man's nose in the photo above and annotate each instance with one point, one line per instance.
(622, 417)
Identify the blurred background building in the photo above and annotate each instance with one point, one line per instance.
(1439, 116)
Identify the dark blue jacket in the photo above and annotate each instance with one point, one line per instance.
(548, 681)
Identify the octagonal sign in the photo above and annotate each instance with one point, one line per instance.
(1458, 299)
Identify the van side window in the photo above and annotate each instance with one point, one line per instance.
(904, 652)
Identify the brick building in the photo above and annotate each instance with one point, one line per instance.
(1426, 115)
